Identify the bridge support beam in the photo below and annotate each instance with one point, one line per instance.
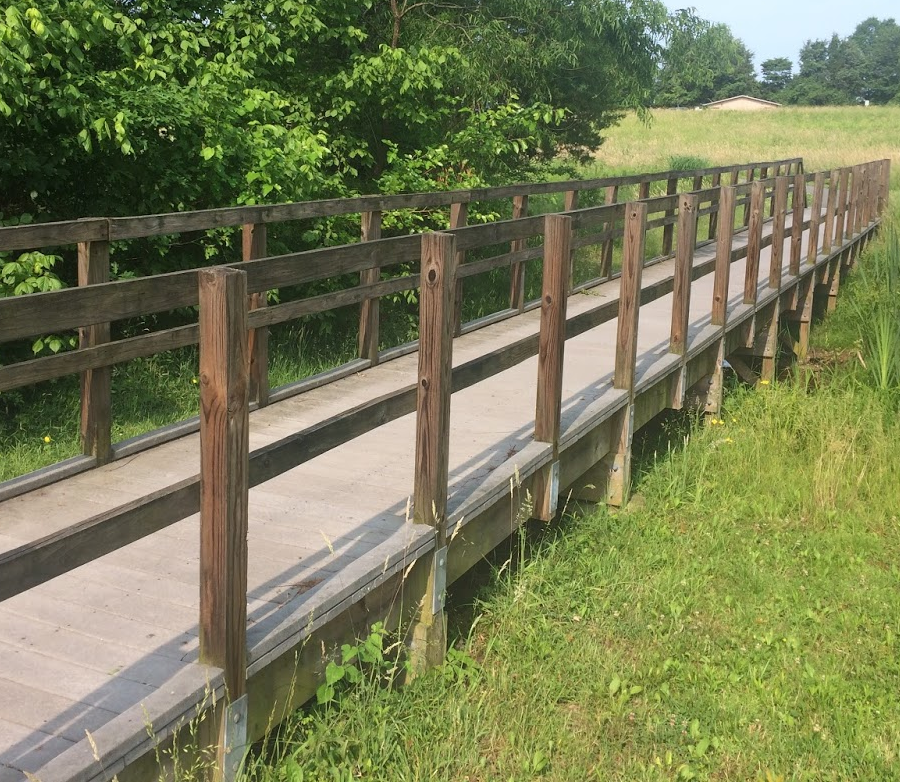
(428, 632)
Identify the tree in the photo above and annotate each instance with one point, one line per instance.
(702, 62)
(879, 44)
(776, 75)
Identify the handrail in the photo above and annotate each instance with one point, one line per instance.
(92, 229)
(98, 304)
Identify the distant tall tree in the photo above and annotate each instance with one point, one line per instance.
(702, 62)
(879, 43)
(777, 73)
(863, 66)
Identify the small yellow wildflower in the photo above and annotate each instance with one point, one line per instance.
(734, 420)
(764, 382)
(194, 380)
(47, 438)
(728, 440)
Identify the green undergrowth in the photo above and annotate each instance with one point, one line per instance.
(738, 621)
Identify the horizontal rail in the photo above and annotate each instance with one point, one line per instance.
(121, 228)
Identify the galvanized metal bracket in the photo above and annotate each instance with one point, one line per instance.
(439, 581)
(235, 738)
(554, 488)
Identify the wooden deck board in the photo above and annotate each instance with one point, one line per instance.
(318, 534)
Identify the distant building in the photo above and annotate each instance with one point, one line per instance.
(742, 103)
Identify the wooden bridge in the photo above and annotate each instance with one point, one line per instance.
(201, 570)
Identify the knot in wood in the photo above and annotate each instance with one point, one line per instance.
(425, 383)
(548, 300)
(432, 276)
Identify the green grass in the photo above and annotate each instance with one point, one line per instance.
(738, 621)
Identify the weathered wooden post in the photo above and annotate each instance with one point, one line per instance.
(843, 191)
(751, 177)
(439, 259)
(96, 384)
(815, 218)
(254, 246)
(806, 298)
(459, 217)
(754, 241)
(781, 194)
(224, 469)
(626, 351)
(727, 199)
(885, 186)
(830, 207)
(606, 264)
(689, 205)
(714, 215)
(557, 251)
(570, 206)
(517, 270)
(669, 230)
(644, 190)
(370, 308)
(797, 212)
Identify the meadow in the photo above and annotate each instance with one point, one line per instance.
(737, 621)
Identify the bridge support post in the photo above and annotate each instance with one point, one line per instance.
(619, 470)
(754, 247)
(557, 251)
(370, 309)
(459, 217)
(224, 481)
(254, 246)
(517, 270)
(96, 384)
(688, 208)
(428, 634)
(606, 263)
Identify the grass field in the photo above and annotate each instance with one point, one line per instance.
(823, 137)
(738, 621)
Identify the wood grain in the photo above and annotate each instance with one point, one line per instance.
(224, 448)
(253, 246)
(724, 242)
(630, 295)
(754, 242)
(684, 264)
(370, 307)
(434, 384)
(96, 384)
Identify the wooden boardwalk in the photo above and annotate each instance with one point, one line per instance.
(111, 648)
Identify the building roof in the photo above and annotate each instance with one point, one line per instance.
(746, 97)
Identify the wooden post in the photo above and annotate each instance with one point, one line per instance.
(370, 308)
(96, 384)
(754, 241)
(885, 186)
(254, 247)
(439, 259)
(224, 469)
(830, 207)
(775, 175)
(815, 220)
(459, 216)
(727, 198)
(853, 200)
(688, 207)
(843, 189)
(799, 209)
(557, 250)
(781, 193)
(644, 191)
(751, 177)
(714, 216)
(669, 230)
(606, 265)
(517, 270)
(626, 350)
(570, 206)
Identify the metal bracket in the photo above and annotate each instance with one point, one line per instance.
(554, 488)
(235, 738)
(439, 581)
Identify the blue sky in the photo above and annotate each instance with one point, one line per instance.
(778, 28)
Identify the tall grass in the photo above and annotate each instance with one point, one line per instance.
(878, 309)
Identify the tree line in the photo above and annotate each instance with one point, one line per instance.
(704, 62)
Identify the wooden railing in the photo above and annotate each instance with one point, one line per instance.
(855, 197)
(97, 302)
(847, 202)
